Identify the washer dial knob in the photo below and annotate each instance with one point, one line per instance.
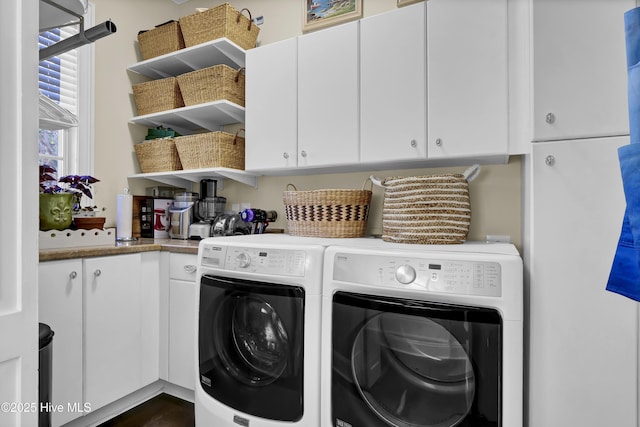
(244, 260)
(405, 274)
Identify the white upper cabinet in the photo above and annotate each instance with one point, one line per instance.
(393, 51)
(579, 69)
(272, 106)
(467, 78)
(328, 97)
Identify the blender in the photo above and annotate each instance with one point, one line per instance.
(207, 209)
(181, 214)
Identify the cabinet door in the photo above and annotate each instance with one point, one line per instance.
(271, 116)
(467, 78)
(113, 328)
(182, 323)
(579, 71)
(60, 307)
(393, 50)
(328, 113)
(583, 339)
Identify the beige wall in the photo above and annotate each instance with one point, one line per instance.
(495, 194)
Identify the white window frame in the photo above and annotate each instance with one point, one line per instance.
(78, 142)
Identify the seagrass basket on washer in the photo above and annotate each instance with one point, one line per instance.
(157, 95)
(164, 38)
(327, 213)
(217, 22)
(431, 209)
(211, 150)
(212, 84)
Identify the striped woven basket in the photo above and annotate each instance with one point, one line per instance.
(327, 213)
(432, 209)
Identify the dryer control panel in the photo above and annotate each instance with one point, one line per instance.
(283, 262)
(433, 274)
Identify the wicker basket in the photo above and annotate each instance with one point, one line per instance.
(158, 155)
(217, 22)
(327, 213)
(157, 95)
(212, 84)
(211, 150)
(163, 39)
(433, 209)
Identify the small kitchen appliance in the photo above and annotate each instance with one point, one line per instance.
(258, 218)
(181, 214)
(206, 209)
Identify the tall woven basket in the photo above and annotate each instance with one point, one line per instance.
(432, 209)
(327, 213)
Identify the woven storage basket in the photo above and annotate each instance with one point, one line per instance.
(163, 39)
(158, 155)
(327, 213)
(211, 150)
(157, 95)
(211, 84)
(433, 209)
(217, 22)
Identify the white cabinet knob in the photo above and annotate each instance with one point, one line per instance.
(97, 273)
(550, 118)
(190, 268)
(414, 143)
(285, 155)
(439, 142)
(303, 153)
(73, 275)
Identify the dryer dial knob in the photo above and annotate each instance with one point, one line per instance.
(244, 260)
(405, 274)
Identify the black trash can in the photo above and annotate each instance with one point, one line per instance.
(44, 374)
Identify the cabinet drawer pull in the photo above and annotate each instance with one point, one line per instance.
(97, 272)
(439, 142)
(550, 118)
(303, 153)
(190, 268)
(285, 155)
(73, 275)
(414, 143)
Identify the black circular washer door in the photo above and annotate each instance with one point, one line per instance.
(412, 372)
(260, 343)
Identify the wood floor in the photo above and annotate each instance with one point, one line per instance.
(160, 411)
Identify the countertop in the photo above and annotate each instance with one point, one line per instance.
(119, 248)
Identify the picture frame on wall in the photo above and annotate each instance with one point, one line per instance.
(406, 2)
(324, 13)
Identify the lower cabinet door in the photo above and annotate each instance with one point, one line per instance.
(113, 328)
(182, 322)
(60, 307)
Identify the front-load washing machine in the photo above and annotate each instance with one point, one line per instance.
(258, 332)
(422, 336)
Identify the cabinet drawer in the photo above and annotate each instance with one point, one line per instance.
(183, 267)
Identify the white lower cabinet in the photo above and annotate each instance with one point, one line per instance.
(60, 307)
(583, 340)
(105, 315)
(182, 319)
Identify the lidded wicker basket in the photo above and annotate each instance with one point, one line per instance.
(432, 209)
(217, 22)
(327, 213)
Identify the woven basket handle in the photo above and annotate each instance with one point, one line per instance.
(364, 184)
(376, 181)
(471, 172)
(235, 138)
(240, 70)
(292, 186)
(250, 19)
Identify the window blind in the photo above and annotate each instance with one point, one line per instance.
(58, 76)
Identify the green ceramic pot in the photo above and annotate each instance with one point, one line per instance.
(55, 211)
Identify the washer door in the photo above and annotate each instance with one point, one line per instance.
(412, 372)
(251, 346)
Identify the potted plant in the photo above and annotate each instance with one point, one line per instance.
(60, 200)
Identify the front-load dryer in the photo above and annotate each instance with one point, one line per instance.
(422, 336)
(258, 330)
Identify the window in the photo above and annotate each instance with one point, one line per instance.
(67, 80)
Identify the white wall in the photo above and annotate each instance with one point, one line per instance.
(495, 194)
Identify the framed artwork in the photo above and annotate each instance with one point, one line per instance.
(406, 2)
(324, 13)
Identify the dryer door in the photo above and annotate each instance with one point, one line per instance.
(414, 364)
(251, 346)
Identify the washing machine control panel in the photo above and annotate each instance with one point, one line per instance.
(433, 274)
(283, 262)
